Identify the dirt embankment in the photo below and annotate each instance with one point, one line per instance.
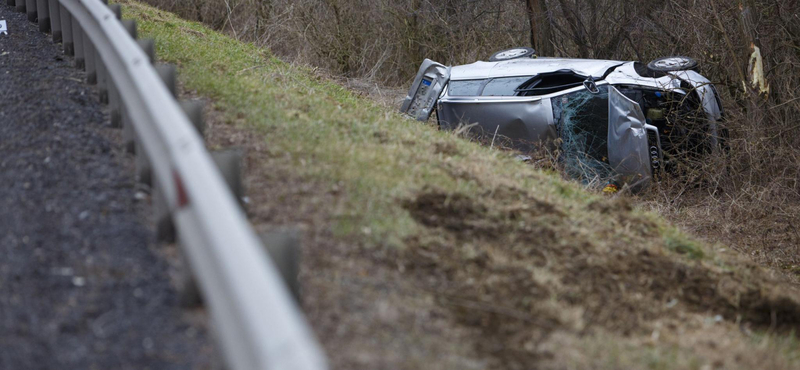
(508, 279)
(422, 250)
(520, 269)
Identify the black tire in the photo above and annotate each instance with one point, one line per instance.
(508, 54)
(672, 64)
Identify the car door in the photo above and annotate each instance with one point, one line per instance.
(426, 89)
(628, 150)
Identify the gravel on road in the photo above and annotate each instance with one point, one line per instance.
(83, 284)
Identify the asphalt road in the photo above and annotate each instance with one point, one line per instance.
(83, 285)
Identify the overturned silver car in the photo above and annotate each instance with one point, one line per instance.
(615, 120)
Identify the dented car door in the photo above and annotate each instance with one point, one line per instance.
(628, 151)
(428, 85)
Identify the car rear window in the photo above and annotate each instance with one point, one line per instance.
(504, 86)
(465, 87)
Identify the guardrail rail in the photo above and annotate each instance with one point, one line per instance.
(258, 324)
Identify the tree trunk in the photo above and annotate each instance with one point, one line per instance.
(572, 17)
(416, 47)
(540, 27)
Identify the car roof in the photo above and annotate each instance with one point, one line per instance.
(531, 66)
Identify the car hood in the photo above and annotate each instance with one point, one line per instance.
(531, 66)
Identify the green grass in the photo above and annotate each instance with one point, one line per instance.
(330, 132)
(679, 243)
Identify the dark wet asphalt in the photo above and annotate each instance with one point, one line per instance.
(82, 284)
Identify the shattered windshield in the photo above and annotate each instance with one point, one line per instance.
(582, 121)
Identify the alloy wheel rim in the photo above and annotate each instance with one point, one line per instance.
(513, 53)
(672, 62)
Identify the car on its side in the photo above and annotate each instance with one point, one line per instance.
(623, 120)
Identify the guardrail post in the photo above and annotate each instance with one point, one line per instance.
(102, 72)
(77, 41)
(194, 111)
(188, 291)
(144, 171)
(130, 26)
(115, 106)
(284, 250)
(143, 167)
(55, 20)
(112, 96)
(43, 15)
(20, 6)
(229, 163)
(66, 30)
(118, 118)
(102, 80)
(90, 57)
(30, 8)
(117, 10)
(167, 73)
(149, 48)
(128, 135)
(165, 229)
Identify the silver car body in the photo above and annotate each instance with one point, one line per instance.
(480, 95)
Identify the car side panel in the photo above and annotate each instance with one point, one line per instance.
(522, 124)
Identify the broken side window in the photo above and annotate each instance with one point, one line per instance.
(600, 145)
(548, 83)
(465, 87)
(505, 86)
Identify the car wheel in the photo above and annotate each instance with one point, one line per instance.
(512, 54)
(672, 64)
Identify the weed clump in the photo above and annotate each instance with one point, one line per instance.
(682, 245)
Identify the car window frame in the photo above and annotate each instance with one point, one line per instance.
(514, 92)
(484, 81)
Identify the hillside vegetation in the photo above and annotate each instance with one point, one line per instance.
(423, 249)
(748, 198)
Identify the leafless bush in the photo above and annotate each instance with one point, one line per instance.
(383, 40)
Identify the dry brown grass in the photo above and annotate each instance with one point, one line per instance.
(748, 197)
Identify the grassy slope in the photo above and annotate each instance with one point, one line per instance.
(579, 280)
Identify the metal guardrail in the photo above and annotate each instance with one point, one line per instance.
(258, 324)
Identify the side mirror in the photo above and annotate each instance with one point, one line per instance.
(591, 86)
